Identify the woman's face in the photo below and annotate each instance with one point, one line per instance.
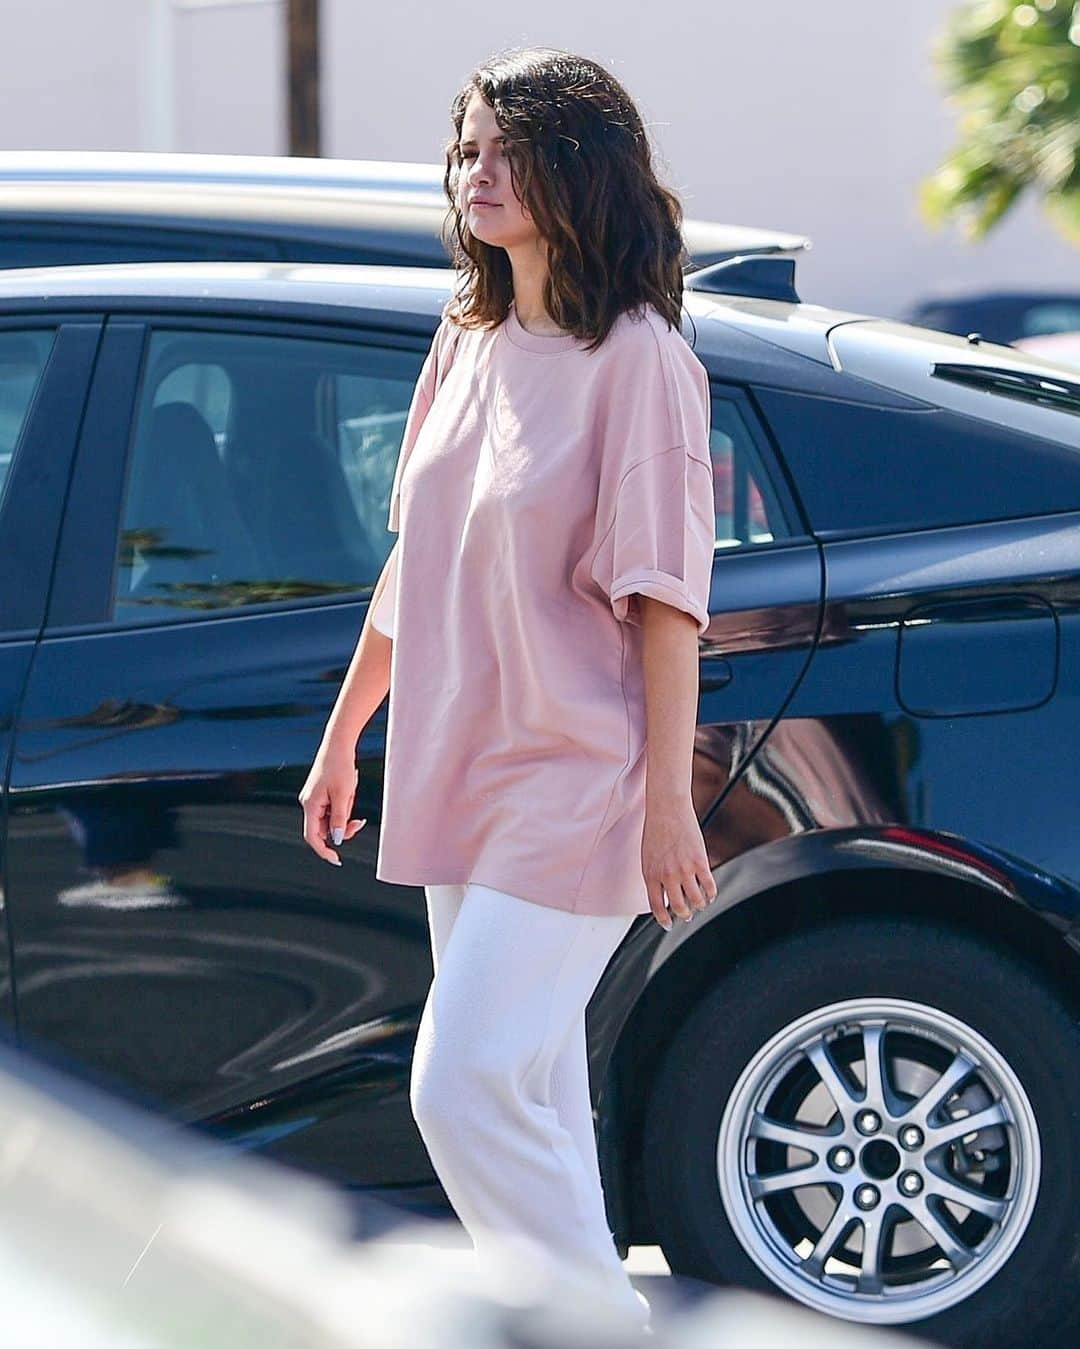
(485, 177)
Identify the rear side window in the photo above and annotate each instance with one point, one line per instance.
(862, 469)
(22, 359)
(748, 512)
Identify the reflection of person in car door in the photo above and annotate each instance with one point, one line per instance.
(554, 503)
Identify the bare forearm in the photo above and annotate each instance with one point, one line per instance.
(366, 682)
(670, 665)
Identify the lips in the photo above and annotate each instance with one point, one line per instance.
(479, 201)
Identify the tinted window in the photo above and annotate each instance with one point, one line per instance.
(261, 469)
(747, 510)
(998, 319)
(1052, 316)
(78, 242)
(1001, 318)
(22, 359)
(369, 420)
(862, 469)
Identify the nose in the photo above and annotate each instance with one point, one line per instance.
(478, 173)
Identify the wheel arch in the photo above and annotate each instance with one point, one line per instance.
(829, 880)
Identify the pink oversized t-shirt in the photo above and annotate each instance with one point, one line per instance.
(539, 489)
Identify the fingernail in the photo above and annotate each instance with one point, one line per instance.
(336, 861)
(337, 834)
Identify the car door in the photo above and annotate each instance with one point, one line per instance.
(45, 365)
(940, 697)
(765, 605)
(175, 937)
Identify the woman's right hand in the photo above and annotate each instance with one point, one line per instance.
(327, 799)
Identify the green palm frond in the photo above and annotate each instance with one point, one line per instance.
(1012, 68)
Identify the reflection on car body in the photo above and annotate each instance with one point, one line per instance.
(866, 1047)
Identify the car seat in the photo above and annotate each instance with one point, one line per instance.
(180, 519)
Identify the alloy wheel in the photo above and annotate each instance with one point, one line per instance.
(879, 1160)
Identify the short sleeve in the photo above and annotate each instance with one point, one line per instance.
(661, 539)
(656, 514)
(432, 374)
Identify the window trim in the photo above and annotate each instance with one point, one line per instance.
(39, 477)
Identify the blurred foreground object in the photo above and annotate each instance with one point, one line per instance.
(118, 1228)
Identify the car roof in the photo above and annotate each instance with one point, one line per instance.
(802, 346)
(404, 177)
(415, 292)
(279, 196)
(372, 290)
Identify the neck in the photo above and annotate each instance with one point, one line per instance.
(529, 270)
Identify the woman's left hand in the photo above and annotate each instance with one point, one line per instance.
(674, 861)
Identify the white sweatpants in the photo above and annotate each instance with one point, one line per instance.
(500, 1086)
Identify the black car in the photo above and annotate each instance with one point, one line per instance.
(1001, 316)
(854, 1077)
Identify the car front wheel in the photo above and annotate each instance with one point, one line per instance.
(879, 1118)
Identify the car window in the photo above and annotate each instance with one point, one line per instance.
(42, 245)
(22, 359)
(368, 420)
(747, 510)
(260, 471)
(1052, 316)
(862, 469)
(205, 385)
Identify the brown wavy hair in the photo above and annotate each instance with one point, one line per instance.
(581, 164)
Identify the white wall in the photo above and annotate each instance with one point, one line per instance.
(816, 118)
(75, 75)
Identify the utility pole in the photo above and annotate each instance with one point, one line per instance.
(158, 95)
(303, 64)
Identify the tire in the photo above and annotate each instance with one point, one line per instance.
(946, 1007)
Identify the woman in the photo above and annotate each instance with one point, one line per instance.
(538, 613)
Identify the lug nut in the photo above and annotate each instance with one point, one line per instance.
(841, 1159)
(909, 1183)
(911, 1137)
(867, 1196)
(867, 1122)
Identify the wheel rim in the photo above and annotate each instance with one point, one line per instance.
(879, 1160)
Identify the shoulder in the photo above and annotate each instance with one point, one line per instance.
(645, 327)
(656, 394)
(447, 329)
(451, 335)
(645, 342)
(445, 340)
(644, 338)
